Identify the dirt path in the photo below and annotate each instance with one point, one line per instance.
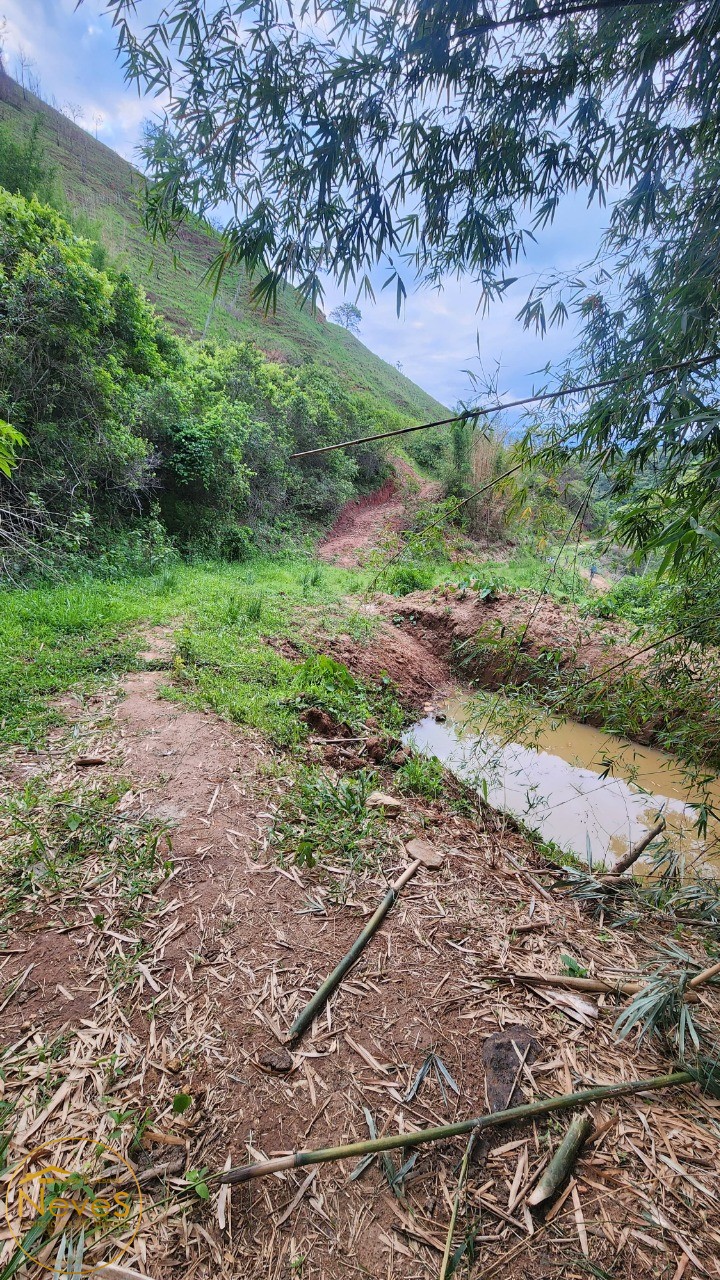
(363, 522)
(596, 580)
(190, 988)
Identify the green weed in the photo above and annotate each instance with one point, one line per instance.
(325, 818)
(421, 776)
(401, 579)
(312, 578)
(322, 682)
(167, 582)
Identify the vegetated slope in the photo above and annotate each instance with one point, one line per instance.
(98, 181)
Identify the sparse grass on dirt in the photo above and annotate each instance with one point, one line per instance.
(58, 845)
(421, 776)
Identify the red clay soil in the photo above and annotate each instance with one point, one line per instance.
(362, 522)
(420, 674)
(440, 620)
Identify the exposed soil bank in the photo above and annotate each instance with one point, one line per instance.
(579, 668)
(424, 642)
(529, 627)
(520, 639)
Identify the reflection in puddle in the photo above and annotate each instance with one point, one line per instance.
(556, 785)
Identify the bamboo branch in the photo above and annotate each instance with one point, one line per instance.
(315, 1004)
(351, 1150)
(472, 415)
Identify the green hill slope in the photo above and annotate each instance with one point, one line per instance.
(107, 188)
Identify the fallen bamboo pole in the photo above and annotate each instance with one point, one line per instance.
(313, 1006)
(352, 1150)
(597, 986)
(427, 857)
(634, 853)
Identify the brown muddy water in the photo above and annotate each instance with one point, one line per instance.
(590, 792)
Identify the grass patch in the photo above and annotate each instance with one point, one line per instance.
(79, 634)
(231, 620)
(324, 818)
(421, 776)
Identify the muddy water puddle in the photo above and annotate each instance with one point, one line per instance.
(590, 792)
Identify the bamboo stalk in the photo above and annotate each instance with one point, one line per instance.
(351, 1150)
(634, 853)
(563, 1160)
(705, 976)
(314, 1005)
(472, 415)
(598, 986)
(456, 1205)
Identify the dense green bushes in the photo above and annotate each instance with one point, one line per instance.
(76, 346)
(124, 423)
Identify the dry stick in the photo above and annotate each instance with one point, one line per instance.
(456, 1203)
(306, 1015)
(599, 986)
(563, 1160)
(634, 852)
(473, 414)
(350, 1151)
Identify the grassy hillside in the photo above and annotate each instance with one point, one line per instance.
(99, 182)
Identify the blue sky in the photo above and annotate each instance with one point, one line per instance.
(73, 51)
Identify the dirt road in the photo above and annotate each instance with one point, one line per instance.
(115, 1010)
(362, 522)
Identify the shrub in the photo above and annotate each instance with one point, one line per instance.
(401, 579)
